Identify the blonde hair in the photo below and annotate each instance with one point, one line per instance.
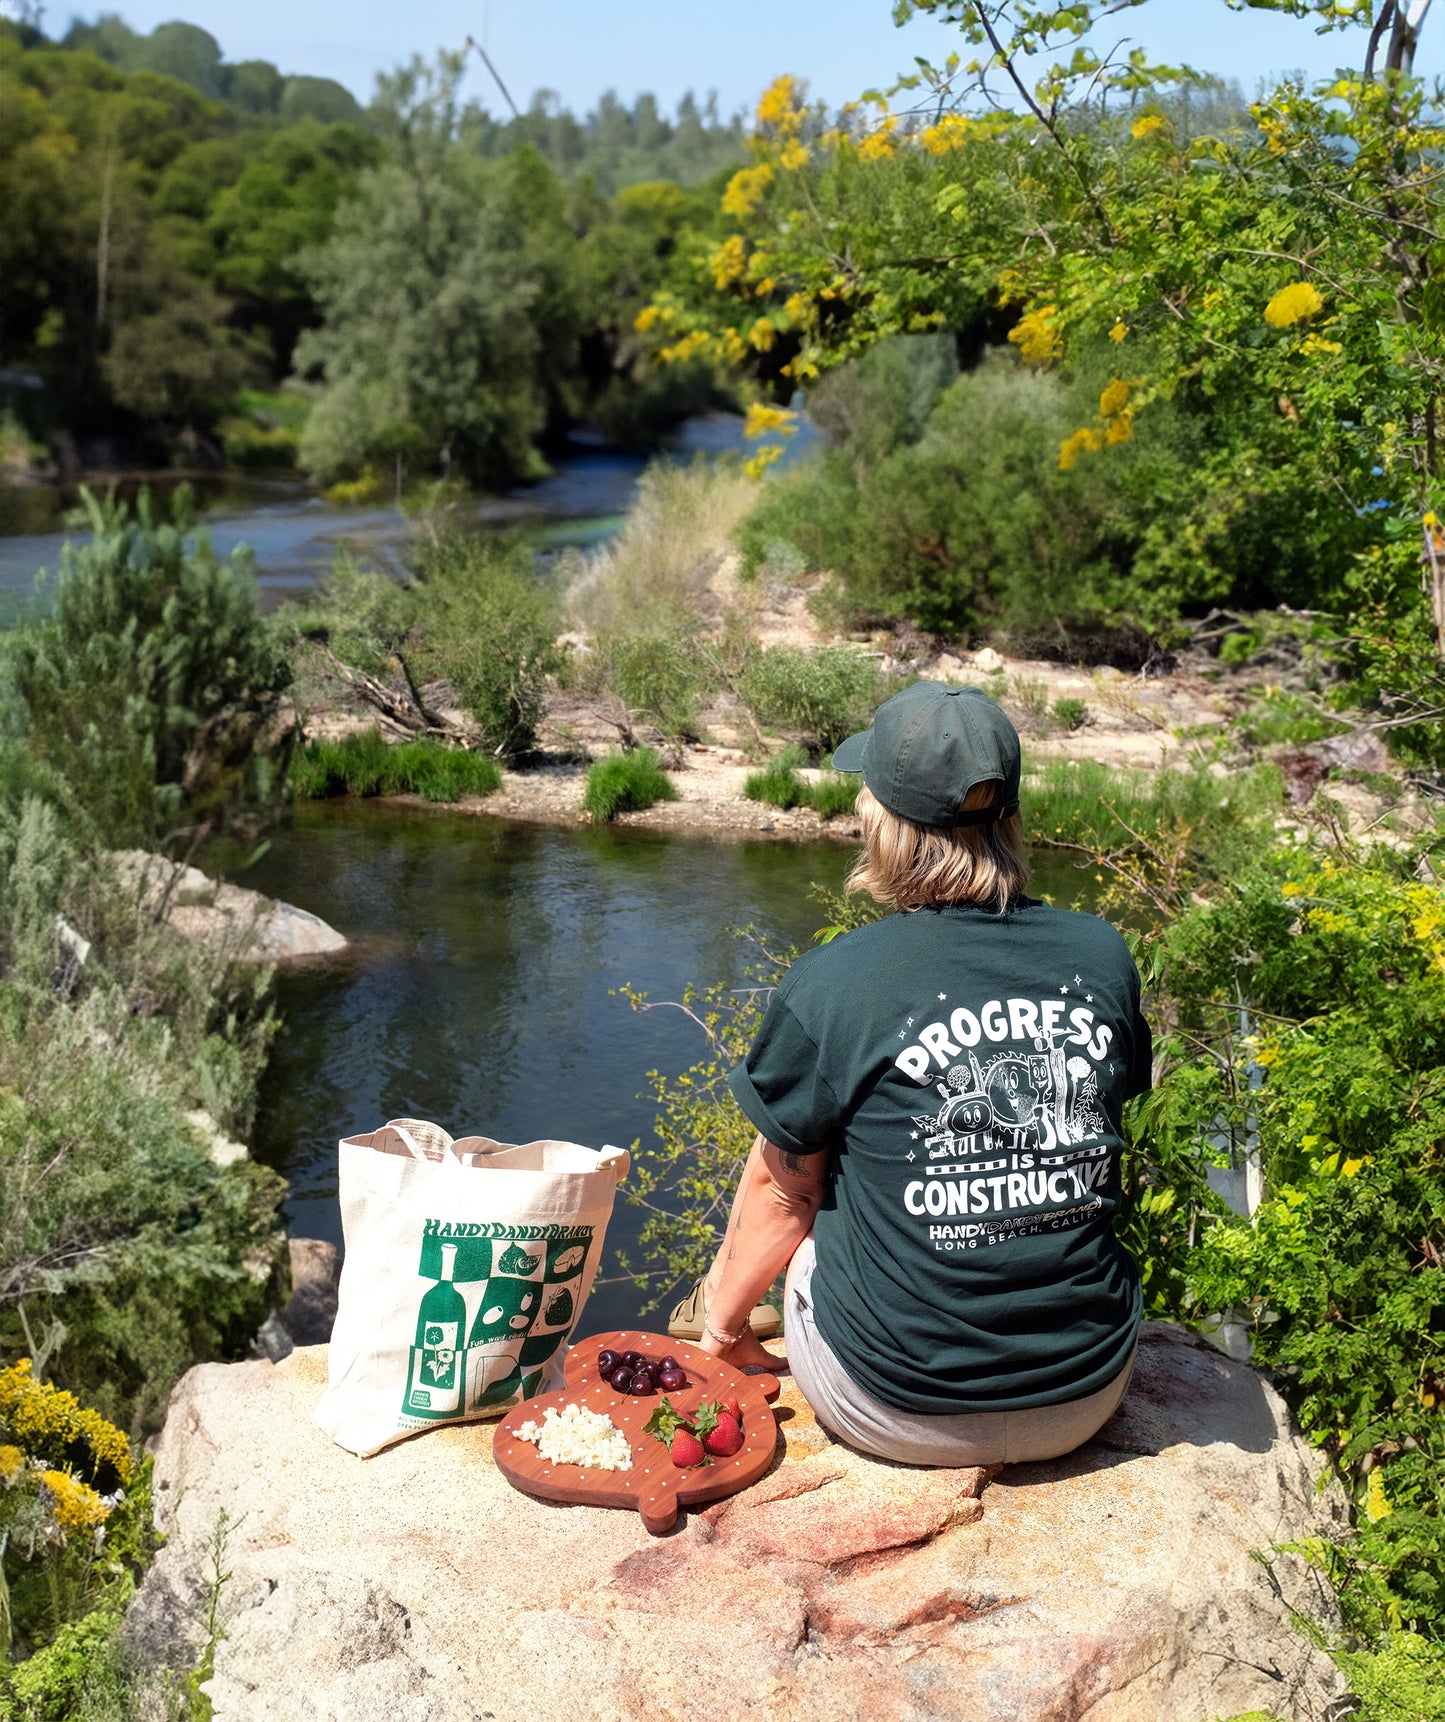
(916, 866)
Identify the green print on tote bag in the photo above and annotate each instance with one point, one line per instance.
(468, 1265)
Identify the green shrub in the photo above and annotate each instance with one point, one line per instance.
(1070, 713)
(778, 784)
(153, 688)
(626, 783)
(663, 678)
(827, 694)
(487, 622)
(264, 431)
(366, 764)
(834, 792)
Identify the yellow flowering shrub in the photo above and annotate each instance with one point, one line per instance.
(1036, 336)
(1293, 304)
(1319, 344)
(1088, 440)
(951, 133)
(1148, 126)
(794, 154)
(728, 262)
(77, 1506)
(764, 420)
(647, 319)
(1119, 429)
(780, 109)
(48, 1423)
(12, 1463)
(879, 145)
(1119, 331)
(746, 189)
(1114, 398)
(798, 307)
(763, 334)
(756, 465)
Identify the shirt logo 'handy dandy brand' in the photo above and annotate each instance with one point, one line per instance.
(1016, 1145)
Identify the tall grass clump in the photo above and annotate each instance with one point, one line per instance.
(834, 793)
(778, 784)
(827, 694)
(626, 783)
(649, 577)
(366, 764)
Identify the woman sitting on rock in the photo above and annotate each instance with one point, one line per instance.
(938, 1097)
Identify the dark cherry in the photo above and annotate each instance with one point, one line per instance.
(671, 1380)
(668, 1362)
(642, 1384)
(621, 1379)
(632, 1358)
(607, 1361)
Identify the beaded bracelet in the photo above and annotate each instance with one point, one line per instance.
(721, 1338)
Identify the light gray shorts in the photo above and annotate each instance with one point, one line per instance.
(917, 1438)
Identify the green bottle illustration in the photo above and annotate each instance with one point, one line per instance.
(435, 1379)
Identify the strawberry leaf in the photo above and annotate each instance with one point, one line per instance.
(665, 1421)
(704, 1419)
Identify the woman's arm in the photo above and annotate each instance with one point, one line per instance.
(778, 1197)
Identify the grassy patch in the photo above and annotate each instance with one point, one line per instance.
(778, 785)
(626, 783)
(366, 764)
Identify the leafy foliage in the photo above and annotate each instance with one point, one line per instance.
(152, 689)
(828, 693)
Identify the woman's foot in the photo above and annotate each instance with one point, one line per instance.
(745, 1353)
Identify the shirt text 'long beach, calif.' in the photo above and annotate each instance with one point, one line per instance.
(968, 1071)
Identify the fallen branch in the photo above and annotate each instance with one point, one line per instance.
(411, 715)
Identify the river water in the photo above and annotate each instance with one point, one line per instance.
(479, 988)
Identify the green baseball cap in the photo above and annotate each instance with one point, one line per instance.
(929, 746)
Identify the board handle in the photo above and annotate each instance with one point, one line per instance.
(658, 1503)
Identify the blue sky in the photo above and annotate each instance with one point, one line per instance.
(581, 47)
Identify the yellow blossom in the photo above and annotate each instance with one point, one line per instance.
(794, 153)
(779, 107)
(45, 1420)
(1318, 344)
(798, 307)
(951, 132)
(1293, 304)
(681, 351)
(879, 145)
(1086, 440)
(77, 1506)
(647, 319)
(728, 262)
(762, 420)
(763, 334)
(1036, 335)
(1114, 398)
(12, 1463)
(1118, 332)
(746, 188)
(1147, 125)
(759, 463)
(1120, 429)
(1377, 1503)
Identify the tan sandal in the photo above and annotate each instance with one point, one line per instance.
(686, 1319)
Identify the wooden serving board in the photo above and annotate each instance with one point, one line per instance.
(654, 1485)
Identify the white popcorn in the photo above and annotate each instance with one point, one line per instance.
(576, 1436)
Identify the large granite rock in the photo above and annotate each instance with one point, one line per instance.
(1121, 1584)
(258, 929)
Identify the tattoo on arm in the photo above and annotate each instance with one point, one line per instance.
(796, 1164)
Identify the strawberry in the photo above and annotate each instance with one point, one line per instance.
(687, 1449)
(725, 1436)
(733, 1409)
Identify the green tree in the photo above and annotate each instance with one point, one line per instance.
(152, 690)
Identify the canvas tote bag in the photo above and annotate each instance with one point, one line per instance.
(467, 1266)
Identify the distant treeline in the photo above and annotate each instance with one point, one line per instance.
(166, 219)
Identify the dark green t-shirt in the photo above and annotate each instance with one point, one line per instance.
(966, 1071)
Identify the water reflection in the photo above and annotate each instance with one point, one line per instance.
(479, 987)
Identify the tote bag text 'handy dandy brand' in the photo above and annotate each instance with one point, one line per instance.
(467, 1267)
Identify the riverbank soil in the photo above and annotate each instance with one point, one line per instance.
(1171, 716)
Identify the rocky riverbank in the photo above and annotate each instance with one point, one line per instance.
(1139, 1579)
